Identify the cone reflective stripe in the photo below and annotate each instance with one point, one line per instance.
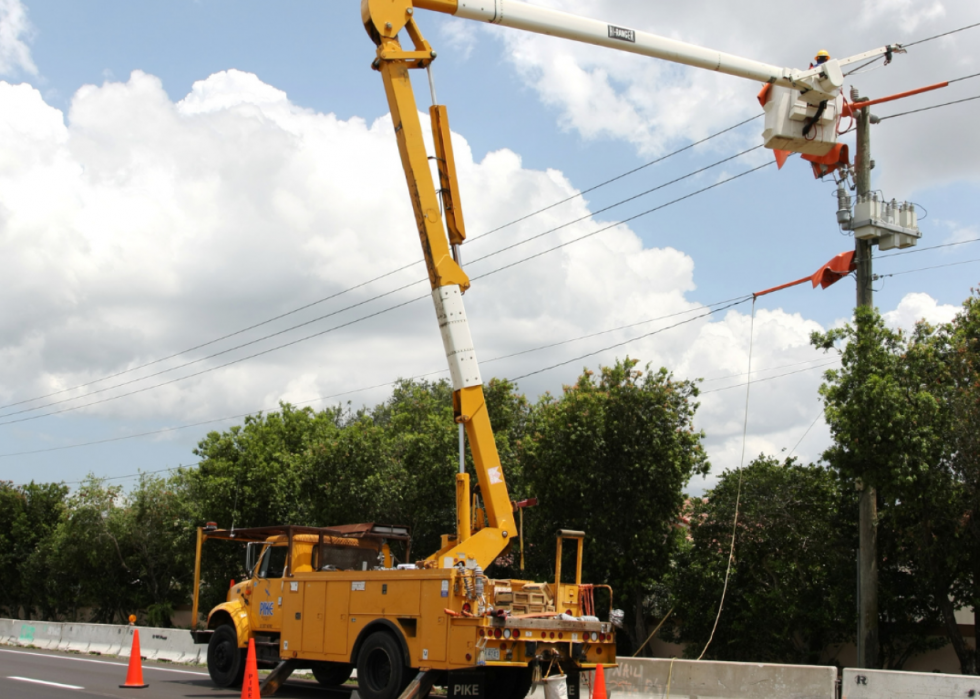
(599, 692)
(250, 685)
(134, 674)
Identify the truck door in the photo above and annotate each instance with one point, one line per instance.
(267, 590)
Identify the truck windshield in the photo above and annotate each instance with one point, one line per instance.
(273, 562)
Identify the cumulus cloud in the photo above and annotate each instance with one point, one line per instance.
(655, 105)
(136, 227)
(915, 307)
(15, 32)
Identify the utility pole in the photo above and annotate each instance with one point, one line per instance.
(867, 644)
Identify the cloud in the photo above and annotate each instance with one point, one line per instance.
(136, 227)
(918, 306)
(15, 32)
(655, 106)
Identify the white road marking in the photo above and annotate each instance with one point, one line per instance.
(49, 684)
(102, 662)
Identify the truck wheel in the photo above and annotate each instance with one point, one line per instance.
(226, 661)
(332, 674)
(381, 668)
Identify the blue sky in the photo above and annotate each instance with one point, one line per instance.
(247, 169)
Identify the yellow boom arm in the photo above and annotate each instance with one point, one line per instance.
(445, 274)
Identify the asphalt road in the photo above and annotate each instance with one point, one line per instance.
(40, 674)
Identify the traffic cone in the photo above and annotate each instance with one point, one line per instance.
(599, 691)
(250, 685)
(134, 675)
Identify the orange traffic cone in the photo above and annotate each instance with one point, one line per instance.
(134, 675)
(250, 685)
(599, 691)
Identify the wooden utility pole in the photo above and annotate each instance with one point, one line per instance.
(867, 642)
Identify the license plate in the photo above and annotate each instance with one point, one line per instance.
(492, 653)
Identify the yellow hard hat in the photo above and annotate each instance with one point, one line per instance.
(822, 54)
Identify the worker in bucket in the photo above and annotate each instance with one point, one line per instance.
(821, 58)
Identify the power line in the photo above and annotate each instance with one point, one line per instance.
(612, 206)
(618, 177)
(938, 36)
(793, 450)
(625, 220)
(605, 332)
(759, 371)
(351, 306)
(632, 339)
(132, 475)
(930, 247)
(923, 269)
(472, 239)
(771, 378)
(965, 77)
(365, 388)
(343, 325)
(926, 109)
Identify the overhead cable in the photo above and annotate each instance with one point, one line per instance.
(926, 109)
(923, 269)
(337, 327)
(617, 177)
(939, 36)
(367, 388)
(471, 240)
(632, 339)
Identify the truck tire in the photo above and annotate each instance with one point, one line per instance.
(332, 674)
(226, 661)
(381, 671)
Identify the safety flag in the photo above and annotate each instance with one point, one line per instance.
(838, 267)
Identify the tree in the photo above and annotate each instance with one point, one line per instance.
(791, 588)
(28, 515)
(157, 528)
(889, 412)
(611, 457)
(964, 401)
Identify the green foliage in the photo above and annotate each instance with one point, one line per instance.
(900, 410)
(28, 515)
(611, 457)
(886, 423)
(791, 590)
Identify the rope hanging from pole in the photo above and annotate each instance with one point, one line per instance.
(738, 494)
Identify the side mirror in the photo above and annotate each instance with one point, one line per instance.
(251, 557)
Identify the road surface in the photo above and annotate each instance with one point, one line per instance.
(40, 674)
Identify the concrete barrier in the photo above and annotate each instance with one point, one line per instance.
(173, 645)
(648, 678)
(106, 639)
(6, 631)
(40, 634)
(879, 684)
(75, 637)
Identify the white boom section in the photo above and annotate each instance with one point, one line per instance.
(456, 338)
(818, 84)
